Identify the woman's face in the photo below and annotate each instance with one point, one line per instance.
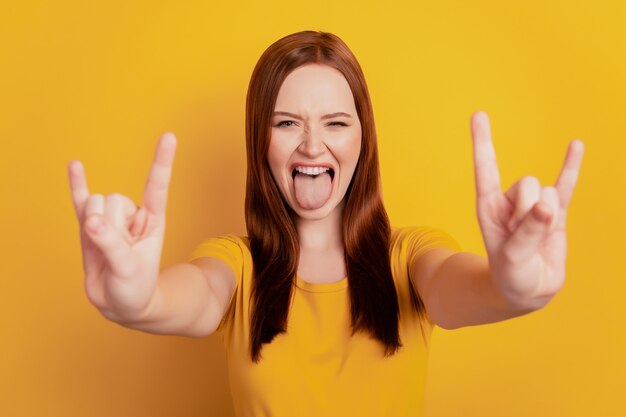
(315, 140)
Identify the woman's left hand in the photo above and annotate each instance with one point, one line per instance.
(523, 228)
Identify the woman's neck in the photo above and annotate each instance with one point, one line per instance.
(322, 234)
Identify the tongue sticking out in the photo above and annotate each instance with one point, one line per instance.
(312, 192)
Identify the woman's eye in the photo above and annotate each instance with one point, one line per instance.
(289, 123)
(283, 123)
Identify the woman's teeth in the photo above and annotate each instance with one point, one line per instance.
(312, 170)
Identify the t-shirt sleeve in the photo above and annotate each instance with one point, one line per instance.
(422, 239)
(228, 249)
(409, 243)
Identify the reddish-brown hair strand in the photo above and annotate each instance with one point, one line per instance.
(271, 230)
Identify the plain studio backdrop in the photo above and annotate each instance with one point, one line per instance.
(100, 81)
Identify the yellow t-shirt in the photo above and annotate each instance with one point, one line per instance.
(316, 368)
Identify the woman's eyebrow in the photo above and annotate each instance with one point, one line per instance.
(326, 116)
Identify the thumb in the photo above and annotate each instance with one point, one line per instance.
(114, 248)
(525, 240)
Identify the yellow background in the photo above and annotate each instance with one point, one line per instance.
(99, 82)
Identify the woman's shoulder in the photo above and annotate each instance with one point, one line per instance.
(230, 247)
(236, 239)
(228, 237)
(400, 232)
(421, 237)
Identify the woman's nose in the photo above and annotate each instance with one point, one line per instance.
(312, 144)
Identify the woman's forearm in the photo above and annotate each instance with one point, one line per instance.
(463, 293)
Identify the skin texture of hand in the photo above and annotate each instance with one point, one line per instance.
(121, 243)
(523, 228)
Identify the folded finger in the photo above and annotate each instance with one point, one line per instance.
(94, 206)
(523, 195)
(119, 210)
(525, 240)
(113, 246)
(550, 196)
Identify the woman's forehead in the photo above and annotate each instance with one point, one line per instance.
(314, 89)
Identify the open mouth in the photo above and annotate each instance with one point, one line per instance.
(314, 173)
(312, 185)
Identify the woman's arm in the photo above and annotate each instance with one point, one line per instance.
(190, 299)
(457, 289)
(524, 234)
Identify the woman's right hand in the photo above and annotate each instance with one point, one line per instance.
(121, 242)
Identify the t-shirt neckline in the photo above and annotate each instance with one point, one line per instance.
(323, 287)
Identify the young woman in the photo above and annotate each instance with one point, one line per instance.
(324, 309)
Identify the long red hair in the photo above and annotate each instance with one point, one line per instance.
(271, 230)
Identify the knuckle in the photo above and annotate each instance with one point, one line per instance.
(95, 197)
(530, 181)
(115, 197)
(549, 189)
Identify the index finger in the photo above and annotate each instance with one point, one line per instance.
(78, 187)
(155, 193)
(486, 172)
(568, 176)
